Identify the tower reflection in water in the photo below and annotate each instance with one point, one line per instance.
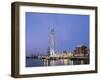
(47, 62)
(57, 62)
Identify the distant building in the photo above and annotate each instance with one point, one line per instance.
(81, 50)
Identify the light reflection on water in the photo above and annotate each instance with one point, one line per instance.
(45, 62)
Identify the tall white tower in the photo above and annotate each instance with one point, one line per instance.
(52, 43)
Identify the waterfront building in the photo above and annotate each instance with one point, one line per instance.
(81, 50)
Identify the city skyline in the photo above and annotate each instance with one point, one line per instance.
(70, 30)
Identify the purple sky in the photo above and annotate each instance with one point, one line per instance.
(70, 30)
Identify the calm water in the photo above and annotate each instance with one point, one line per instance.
(44, 62)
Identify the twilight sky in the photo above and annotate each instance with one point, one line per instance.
(70, 30)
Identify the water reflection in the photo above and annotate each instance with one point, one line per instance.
(48, 62)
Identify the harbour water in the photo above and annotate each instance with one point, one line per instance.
(47, 62)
